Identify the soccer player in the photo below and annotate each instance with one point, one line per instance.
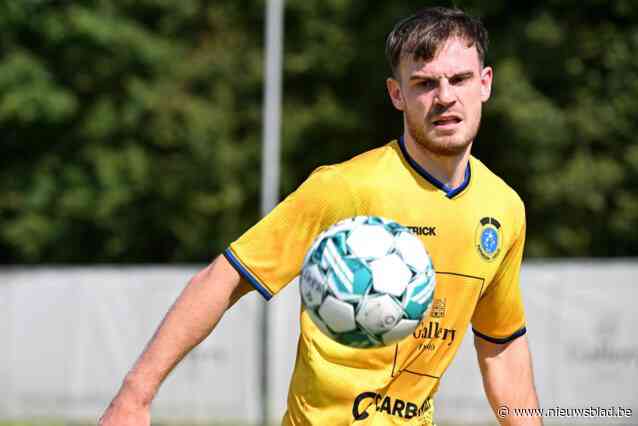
(471, 222)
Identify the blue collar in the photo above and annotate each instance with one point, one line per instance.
(449, 192)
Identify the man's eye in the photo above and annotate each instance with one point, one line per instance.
(427, 84)
(458, 80)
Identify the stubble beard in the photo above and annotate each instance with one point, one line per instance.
(445, 146)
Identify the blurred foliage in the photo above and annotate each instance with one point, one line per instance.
(131, 128)
(127, 129)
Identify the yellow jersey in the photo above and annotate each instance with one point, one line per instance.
(474, 234)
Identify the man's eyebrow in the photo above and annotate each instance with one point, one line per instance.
(461, 74)
(422, 77)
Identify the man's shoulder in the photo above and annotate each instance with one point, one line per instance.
(364, 169)
(371, 162)
(495, 185)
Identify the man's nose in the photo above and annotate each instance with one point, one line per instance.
(445, 94)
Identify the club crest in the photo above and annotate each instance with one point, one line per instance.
(489, 238)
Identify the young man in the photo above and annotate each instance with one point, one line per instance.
(428, 180)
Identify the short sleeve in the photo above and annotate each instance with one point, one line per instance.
(499, 316)
(270, 254)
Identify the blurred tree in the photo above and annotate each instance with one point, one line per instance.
(130, 129)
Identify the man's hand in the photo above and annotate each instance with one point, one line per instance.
(508, 378)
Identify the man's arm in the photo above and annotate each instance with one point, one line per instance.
(191, 318)
(508, 378)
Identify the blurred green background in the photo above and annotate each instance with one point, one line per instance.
(131, 128)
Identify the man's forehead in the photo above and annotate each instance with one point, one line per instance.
(455, 55)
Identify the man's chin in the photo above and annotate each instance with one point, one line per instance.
(445, 148)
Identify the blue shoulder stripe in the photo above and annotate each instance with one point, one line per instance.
(503, 340)
(228, 254)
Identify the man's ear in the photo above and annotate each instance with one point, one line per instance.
(487, 74)
(394, 90)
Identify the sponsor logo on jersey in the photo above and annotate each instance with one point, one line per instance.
(489, 238)
(433, 330)
(425, 231)
(388, 405)
(439, 308)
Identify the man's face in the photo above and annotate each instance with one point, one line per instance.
(442, 99)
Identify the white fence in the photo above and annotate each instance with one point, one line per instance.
(70, 334)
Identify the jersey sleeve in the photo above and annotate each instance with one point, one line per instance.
(499, 316)
(270, 254)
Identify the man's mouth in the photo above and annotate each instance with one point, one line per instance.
(446, 122)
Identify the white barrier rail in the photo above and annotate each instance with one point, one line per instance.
(70, 334)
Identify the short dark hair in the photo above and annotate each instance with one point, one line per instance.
(422, 34)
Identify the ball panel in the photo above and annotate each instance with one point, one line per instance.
(415, 310)
(402, 330)
(394, 228)
(337, 315)
(315, 253)
(362, 275)
(312, 286)
(358, 339)
(333, 260)
(339, 241)
(360, 220)
(421, 290)
(419, 295)
(411, 250)
(319, 323)
(390, 275)
(375, 220)
(378, 314)
(369, 241)
(341, 291)
(343, 227)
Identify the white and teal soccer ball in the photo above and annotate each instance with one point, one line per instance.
(367, 282)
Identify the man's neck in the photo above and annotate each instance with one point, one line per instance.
(447, 169)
